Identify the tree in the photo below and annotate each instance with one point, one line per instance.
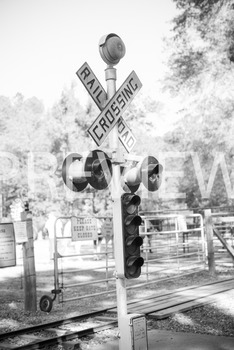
(23, 124)
(200, 75)
(201, 43)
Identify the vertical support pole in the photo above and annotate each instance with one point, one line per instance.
(202, 238)
(177, 243)
(30, 293)
(110, 75)
(1, 207)
(147, 252)
(2, 202)
(55, 255)
(209, 240)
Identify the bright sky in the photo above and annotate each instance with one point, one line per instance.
(44, 42)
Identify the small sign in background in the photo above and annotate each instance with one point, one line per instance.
(84, 229)
(7, 245)
(20, 228)
(107, 228)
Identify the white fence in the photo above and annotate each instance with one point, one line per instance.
(174, 245)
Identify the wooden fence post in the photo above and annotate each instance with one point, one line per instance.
(209, 240)
(30, 293)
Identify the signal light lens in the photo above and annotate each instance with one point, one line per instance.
(78, 171)
(99, 165)
(72, 172)
(151, 173)
(131, 203)
(134, 267)
(133, 243)
(132, 223)
(148, 171)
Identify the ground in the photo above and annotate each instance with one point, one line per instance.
(216, 318)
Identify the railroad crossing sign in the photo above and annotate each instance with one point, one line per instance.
(111, 112)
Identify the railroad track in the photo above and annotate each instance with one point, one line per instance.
(67, 332)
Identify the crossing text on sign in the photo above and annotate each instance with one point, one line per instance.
(114, 109)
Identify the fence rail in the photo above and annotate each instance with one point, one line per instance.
(224, 223)
(174, 245)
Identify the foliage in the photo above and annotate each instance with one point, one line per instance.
(39, 139)
(200, 71)
(200, 74)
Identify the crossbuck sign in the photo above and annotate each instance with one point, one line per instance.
(111, 113)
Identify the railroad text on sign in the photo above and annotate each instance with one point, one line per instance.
(125, 135)
(114, 109)
(92, 85)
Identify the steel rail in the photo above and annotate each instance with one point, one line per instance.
(41, 343)
(44, 326)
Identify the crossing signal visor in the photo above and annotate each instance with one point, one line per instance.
(148, 171)
(79, 171)
(131, 238)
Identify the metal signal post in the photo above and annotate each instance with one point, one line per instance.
(117, 219)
